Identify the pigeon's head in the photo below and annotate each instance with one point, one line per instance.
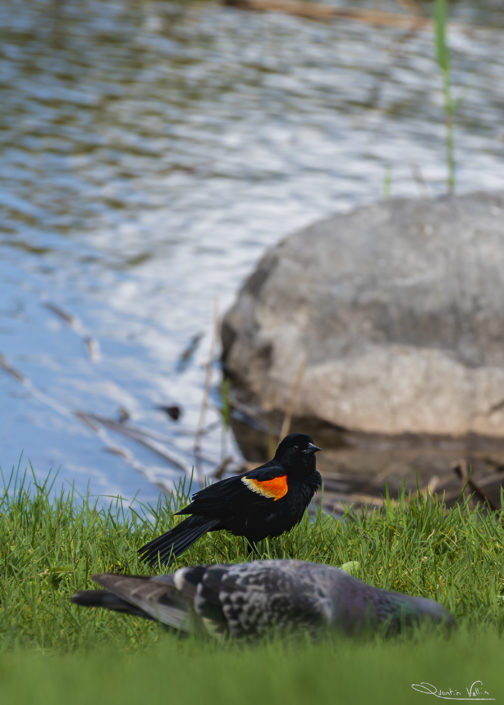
(297, 451)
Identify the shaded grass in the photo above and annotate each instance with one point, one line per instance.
(191, 672)
(52, 542)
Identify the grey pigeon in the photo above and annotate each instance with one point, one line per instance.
(253, 599)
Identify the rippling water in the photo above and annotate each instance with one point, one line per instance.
(150, 153)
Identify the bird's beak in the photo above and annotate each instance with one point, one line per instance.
(311, 448)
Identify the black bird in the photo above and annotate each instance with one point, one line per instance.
(263, 502)
(256, 598)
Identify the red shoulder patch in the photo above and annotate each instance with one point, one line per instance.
(273, 489)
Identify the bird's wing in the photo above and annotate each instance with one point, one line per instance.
(260, 486)
(253, 599)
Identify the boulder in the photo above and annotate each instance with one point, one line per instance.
(385, 320)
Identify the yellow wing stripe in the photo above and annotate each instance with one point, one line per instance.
(273, 489)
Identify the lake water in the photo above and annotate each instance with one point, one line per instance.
(150, 153)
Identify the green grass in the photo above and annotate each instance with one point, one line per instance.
(52, 542)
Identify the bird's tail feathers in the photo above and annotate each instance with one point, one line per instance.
(168, 546)
(106, 599)
(138, 595)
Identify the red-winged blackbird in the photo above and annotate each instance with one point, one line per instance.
(263, 502)
(251, 599)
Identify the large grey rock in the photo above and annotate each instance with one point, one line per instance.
(396, 312)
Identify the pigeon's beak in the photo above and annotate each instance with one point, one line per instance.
(310, 448)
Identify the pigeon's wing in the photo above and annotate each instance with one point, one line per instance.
(257, 487)
(253, 599)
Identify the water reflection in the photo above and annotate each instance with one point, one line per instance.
(150, 152)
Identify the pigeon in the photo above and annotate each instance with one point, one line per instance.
(263, 502)
(254, 599)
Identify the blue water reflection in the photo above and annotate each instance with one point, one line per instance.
(150, 153)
